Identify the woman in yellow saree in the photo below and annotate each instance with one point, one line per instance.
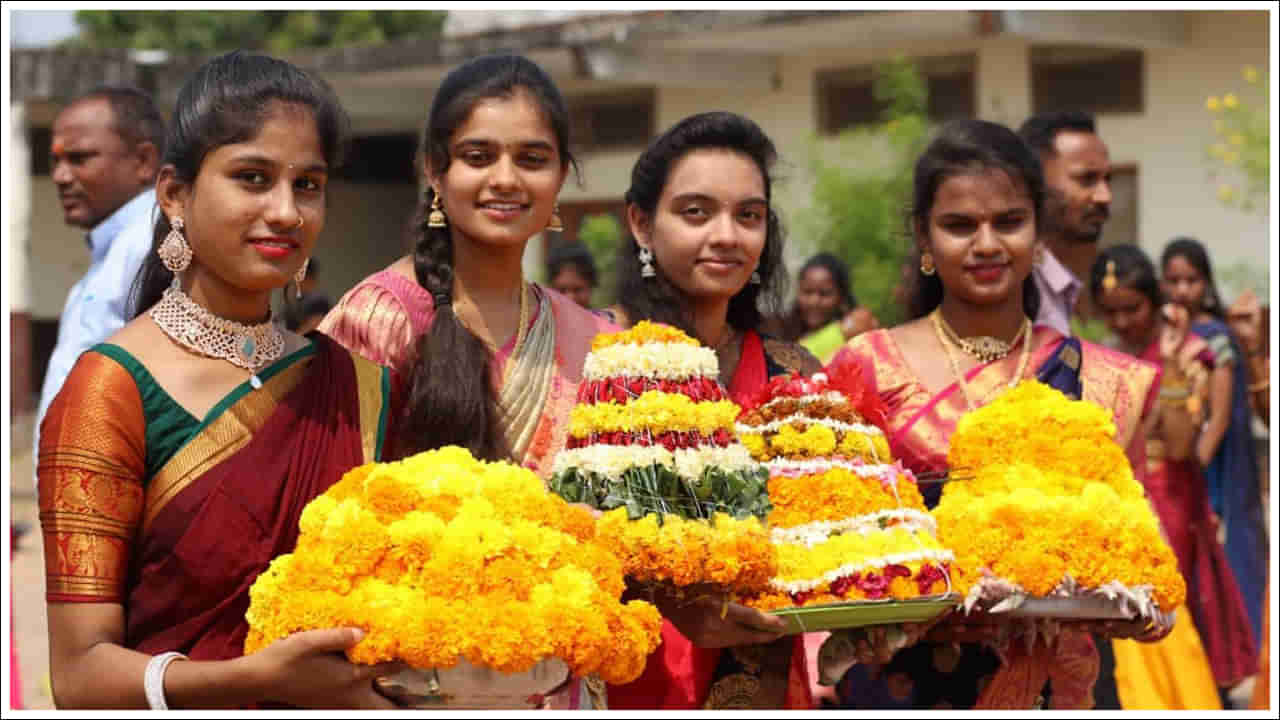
(978, 199)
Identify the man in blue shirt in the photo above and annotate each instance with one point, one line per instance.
(105, 152)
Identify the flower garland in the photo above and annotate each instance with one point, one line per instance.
(724, 551)
(644, 333)
(1052, 501)
(663, 361)
(440, 557)
(802, 568)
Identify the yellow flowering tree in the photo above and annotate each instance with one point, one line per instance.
(1241, 152)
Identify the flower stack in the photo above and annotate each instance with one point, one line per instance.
(442, 557)
(849, 522)
(1047, 506)
(652, 443)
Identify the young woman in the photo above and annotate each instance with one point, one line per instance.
(825, 314)
(572, 271)
(705, 255)
(176, 461)
(492, 362)
(978, 199)
(1225, 447)
(1124, 287)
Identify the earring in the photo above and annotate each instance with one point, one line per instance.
(555, 224)
(646, 263)
(755, 277)
(174, 251)
(298, 277)
(436, 219)
(926, 264)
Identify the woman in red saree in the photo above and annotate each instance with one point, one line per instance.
(706, 251)
(175, 463)
(978, 199)
(1125, 287)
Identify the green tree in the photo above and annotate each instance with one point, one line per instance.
(602, 235)
(1242, 151)
(863, 187)
(205, 31)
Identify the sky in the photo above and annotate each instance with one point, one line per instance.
(41, 28)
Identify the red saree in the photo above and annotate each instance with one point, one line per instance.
(1178, 490)
(680, 676)
(920, 427)
(179, 548)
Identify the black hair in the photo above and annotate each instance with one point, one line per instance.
(226, 101)
(1192, 251)
(135, 117)
(309, 306)
(1040, 130)
(657, 298)
(793, 325)
(451, 398)
(1133, 269)
(574, 256)
(966, 147)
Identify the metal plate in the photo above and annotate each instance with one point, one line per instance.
(836, 616)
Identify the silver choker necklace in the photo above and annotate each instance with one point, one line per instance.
(251, 347)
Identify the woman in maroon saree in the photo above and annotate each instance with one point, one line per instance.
(706, 251)
(1124, 286)
(175, 463)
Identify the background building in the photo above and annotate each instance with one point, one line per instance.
(802, 75)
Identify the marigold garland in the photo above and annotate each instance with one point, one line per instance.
(655, 411)
(1048, 494)
(441, 557)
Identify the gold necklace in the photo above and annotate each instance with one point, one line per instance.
(955, 364)
(521, 332)
(982, 347)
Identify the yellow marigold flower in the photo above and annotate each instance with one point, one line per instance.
(441, 557)
(643, 332)
(812, 441)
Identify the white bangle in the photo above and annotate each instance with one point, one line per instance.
(153, 678)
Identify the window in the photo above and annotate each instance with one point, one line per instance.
(846, 98)
(612, 120)
(1122, 226)
(379, 159)
(1095, 80)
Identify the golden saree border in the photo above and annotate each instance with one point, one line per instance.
(373, 388)
(219, 439)
(1121, 383)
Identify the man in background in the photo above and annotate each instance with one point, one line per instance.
(105, 152)
(1077, 176)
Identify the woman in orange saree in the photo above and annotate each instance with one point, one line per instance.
(176, 461)
(706, 252)
(978, 199)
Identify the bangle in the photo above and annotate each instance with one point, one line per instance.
(153, 678)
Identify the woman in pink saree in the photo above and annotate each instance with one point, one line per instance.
(492, 362)
(978, 199)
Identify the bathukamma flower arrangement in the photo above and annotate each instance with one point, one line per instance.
(849, 522)
(441, 557)
(652, 444)
(1048, 507)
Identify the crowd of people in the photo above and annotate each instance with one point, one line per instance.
(182, 429)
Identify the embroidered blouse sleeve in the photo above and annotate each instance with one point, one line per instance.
(91, 468)
(371, 321)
